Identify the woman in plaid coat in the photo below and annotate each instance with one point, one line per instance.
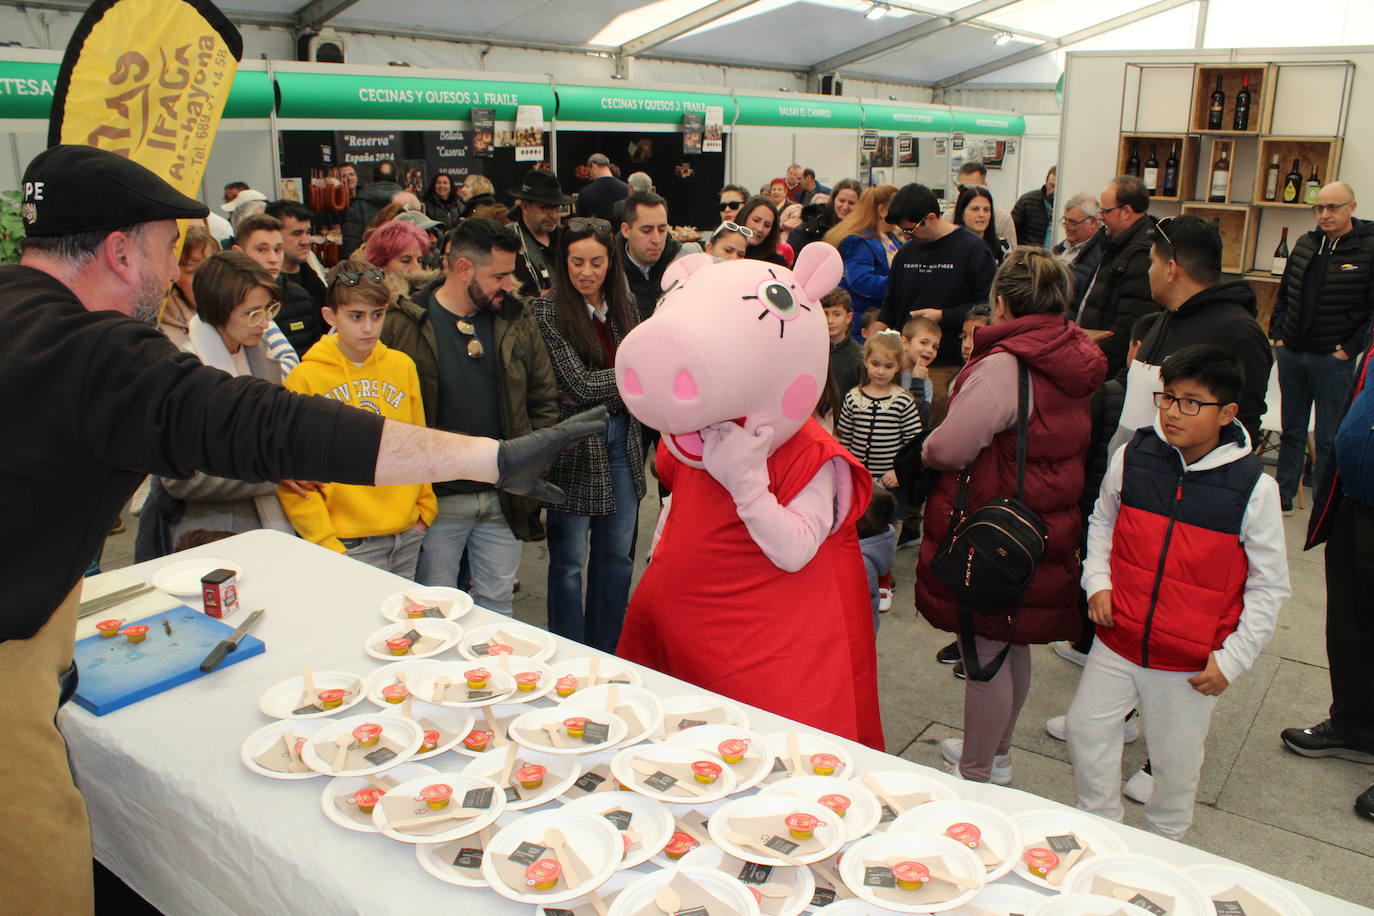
(587, 313)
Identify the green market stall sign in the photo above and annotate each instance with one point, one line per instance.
(980, 122)
(770, 111)
(913, 120)
(359, 96)
(26, 91)
(641, 106)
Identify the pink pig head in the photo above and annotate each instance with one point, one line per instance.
(742, 341)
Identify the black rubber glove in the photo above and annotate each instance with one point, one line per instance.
(521, 462)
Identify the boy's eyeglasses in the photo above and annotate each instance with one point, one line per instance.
(729, 226)
(583, 223)
(260, 316)
(475, 349)
(353, 278)
(1189, 407)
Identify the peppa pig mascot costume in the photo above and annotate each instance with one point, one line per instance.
(756, 587)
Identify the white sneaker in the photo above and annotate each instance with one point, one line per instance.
(884, 600)
(1058, 729)
(1139, 787)
(1068, 653)
(952, 749)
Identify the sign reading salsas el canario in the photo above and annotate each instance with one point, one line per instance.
(801, 111)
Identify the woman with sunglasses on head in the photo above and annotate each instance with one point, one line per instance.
(583, 320)
(760, 217)
(974, 211)
(729, 241)
(236, 301)
(867, 244)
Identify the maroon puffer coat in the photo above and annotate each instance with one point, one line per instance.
(1066, 367)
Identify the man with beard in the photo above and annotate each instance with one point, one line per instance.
(302, 285)
(539, 202)
(100, 401)
(484, 371)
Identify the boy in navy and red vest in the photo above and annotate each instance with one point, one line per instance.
(1186, 570)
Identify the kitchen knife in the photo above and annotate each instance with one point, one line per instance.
(216, 656)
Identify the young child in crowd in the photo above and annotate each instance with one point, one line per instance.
(877, 417)
(866, 321)
(920, 344)
(978, 317)
(1185, 582)
(846, 355)
(382, 526)
(878, 543)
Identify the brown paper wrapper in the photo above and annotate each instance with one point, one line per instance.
(356, 758)
(402, 807)
(627, 712)
(350, 694)
(421, 646)
(782, 874)
(711, 715)
(521, 646)
(1252, 905)
(607, 783)
(1108, 888)
(278, 760)
(449, 851)
(350, 810)
(692, 896)
(682, 772)
(764, 828)
(1056, 875)
(935, 891)
(513, 873)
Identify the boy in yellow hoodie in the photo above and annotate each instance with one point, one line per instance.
(381, 526)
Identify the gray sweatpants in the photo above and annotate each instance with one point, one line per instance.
(1176, 720)
(992, 707)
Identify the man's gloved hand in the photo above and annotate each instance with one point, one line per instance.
(521, 462)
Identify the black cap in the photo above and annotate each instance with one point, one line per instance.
(541, 187)
(71, 188)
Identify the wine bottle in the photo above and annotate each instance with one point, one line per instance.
(1242, 117)
(1221, 178)
(1133, 164)
(1292, 185)
(1170, 187)
(1217, 108)
(1152, 172)
(1313, 186)
(1271, 181)
(1280, 262)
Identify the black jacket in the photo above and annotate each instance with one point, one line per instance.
(1105, 406)
(302, 296)
(365, 206)
(1083, 266)
(534, 262)
(99, 401)
(1224, 315)
(812, 230)
(447, 212)
(1121, 292)
(1031, 217)
(648, 289)
(597, 198)
(1341, 319)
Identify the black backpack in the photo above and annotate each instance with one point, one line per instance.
(991, 553)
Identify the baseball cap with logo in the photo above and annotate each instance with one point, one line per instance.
(71, 188)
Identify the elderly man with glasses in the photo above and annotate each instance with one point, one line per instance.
(1320, 325)
(1082, 245)
(1119, 291)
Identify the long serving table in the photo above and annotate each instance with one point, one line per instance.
(177, 816)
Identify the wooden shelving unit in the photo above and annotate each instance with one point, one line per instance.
(1262, 78)
(1323, 152)
(1237, 228)
(1164, 143)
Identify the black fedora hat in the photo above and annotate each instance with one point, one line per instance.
(541, 187)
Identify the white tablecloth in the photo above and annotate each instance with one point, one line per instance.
(177, 816)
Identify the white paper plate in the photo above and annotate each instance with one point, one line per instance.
(461, 783)
(270, 734)
(453, 602)
(679, 707)
(1000, 833)
(1101, 837)
(437, 858)
(1083, 905)
(905, 782)
(864, 810)
(853, 907)
(651, 820)
(607, 892)
(641, 893)
(959, 860)
(347, 785)
(829, 832)
(750, 771)
(1215, 878)
(610, 668)
(280, 699)
(1144, 872)
(535, 719)
(183, 578)
(695, 814)
(801, 880)
(622, 768)
(487, 632)
(1001, 900)
(646, 706)
(501, 685)
(595, 839)
(808, 743)
(397, 729)
(506, 712)
(445, 630)
(562, 771)
(457, 722)
(388, 674)
(519, 664)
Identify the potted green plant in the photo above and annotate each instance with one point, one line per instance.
(11, 227)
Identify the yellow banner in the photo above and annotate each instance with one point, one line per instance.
(148, 79)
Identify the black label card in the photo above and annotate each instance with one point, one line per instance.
(479, 694)
(469, 858)
(478, 798)
(512, 794)
(434, 612)
(1228, 908)
(588, 782)
(823, 896)
(596, 732)
(1148, 905)
(1064, 843)
(689, 723)
(617, 680)
(784, 846)
(754, 873)
(878, 876)
(550, 911)
(694, 911)
(620, 818)
(379, 756)
(481, 649)
(888, 815)
(528, 853)
(660, 781)
(414, 636)
(305, 710)
(778, 766)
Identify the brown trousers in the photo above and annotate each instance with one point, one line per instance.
(45, 838)
(940, 379)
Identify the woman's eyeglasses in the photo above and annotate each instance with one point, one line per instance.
(475, 348)
(583, 223)
(730, 205)
(729, 226)
(1189, 407)
(260, 316)
(353, 278)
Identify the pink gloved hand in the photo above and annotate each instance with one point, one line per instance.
(738, 459)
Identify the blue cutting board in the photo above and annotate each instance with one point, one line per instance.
(115, 672)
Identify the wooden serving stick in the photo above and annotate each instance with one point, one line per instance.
(612, 695)
(441, 685)
(507, 767)
(879, 791)
(289, 740)
(1068, 861)
(385, 783)
(497, 739)
(593, 669)
(748, 842)
(553, 838)
(648, 768)
(435, 818)
(341, 753)
(667, 899)
(794, 751)
(308, 698)
(555, 736)
(832, 877)
(941, 875)
(773, 889)
(684, 827)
